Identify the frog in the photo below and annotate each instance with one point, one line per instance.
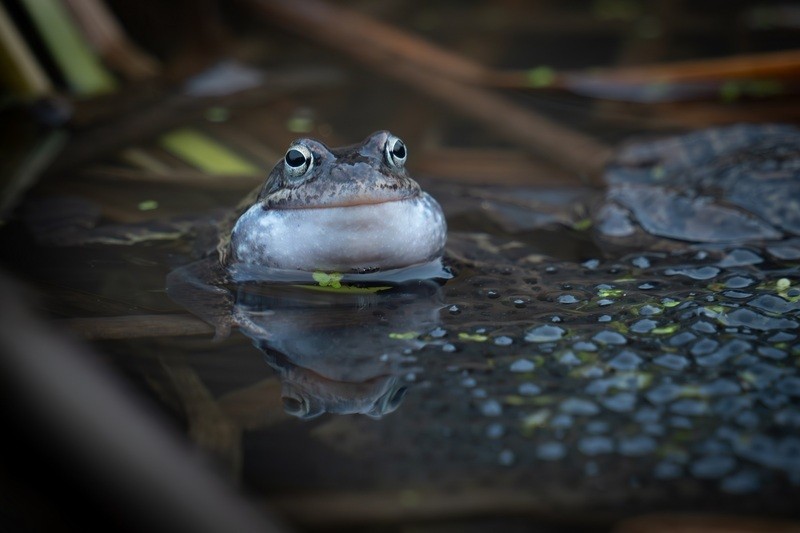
(323, 216)
(350, 209)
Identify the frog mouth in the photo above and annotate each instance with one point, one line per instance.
(388, 196)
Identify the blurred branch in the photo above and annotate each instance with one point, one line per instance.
(442, 75)
(106, 36)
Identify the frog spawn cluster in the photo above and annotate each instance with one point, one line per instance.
(689, 368)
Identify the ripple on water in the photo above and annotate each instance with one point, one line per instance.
(567, 299)
(544, 333)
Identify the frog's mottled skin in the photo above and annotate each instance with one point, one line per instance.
(354, 209)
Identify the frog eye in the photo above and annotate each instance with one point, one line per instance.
(298, 161)
(396, 152)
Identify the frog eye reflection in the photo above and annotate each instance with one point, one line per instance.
(396, 152)
(298, 161)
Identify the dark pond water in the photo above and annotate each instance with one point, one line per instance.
(652, 381)
(536, 373)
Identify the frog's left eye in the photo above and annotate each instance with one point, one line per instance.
(298, 161)
(396, 152)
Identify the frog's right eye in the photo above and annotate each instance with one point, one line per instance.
(298, 161)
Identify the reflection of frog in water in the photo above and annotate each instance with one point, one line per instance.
(347, 210)
(338, 352)
(351, 222)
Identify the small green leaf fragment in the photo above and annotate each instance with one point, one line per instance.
(610, 293)
(536, 420)
(300, 124)
(474, 337)
(582, 224)
(333, 280)
(404, 336)
(148, 205)
(666, 330)
(542, 76)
